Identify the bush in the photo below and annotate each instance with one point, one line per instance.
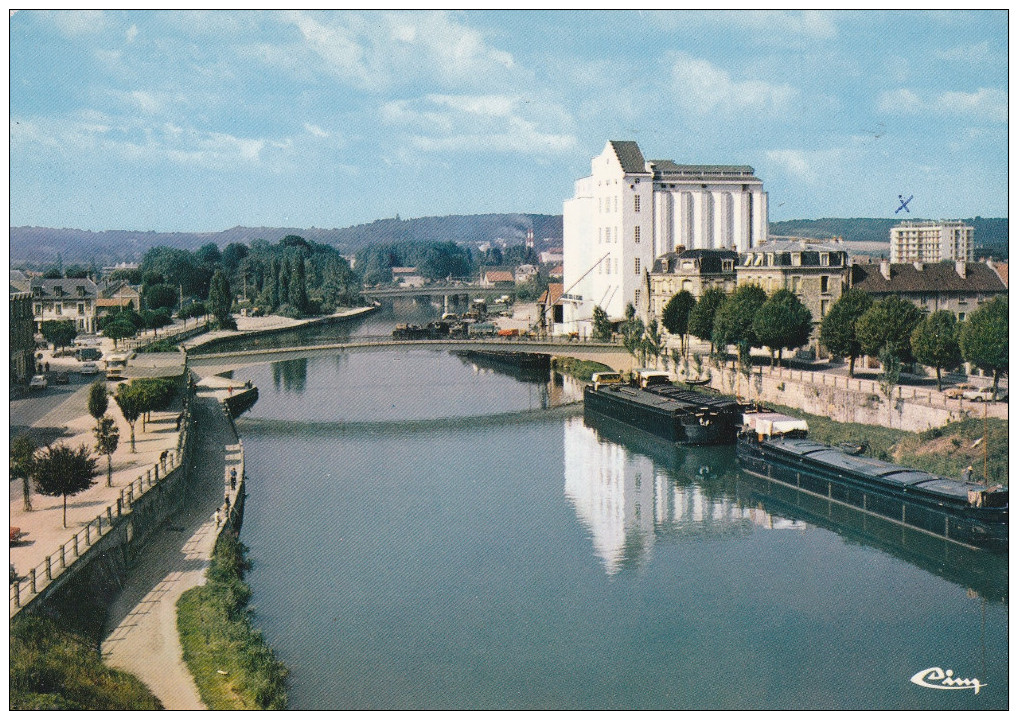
(288, 311)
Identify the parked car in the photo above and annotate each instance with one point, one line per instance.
(89, 367)
(38, 382)
(61, 378)
(985, 393)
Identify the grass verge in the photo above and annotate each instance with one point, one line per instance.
(231, 664)
(580, 369)
(945, 451)
(52, 668)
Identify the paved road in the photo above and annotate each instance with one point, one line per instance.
(142, 624)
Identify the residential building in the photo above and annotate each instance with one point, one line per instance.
(959, 287)
(932, 241)
(692, 270)
(524, 272)
(496, 278)
(551, 256)
(817, 273)
(407, 276)
(556, 272)
(65, 300)
(22, 335)
(551, 313)
(630, 210)
(118, 294)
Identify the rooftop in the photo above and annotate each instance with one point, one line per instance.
(940, 277)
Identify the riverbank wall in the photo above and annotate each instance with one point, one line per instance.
(843, 399)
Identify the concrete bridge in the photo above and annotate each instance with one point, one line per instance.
(456, 294)
(613, 356)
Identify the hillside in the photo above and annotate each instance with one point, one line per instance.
(36, 246)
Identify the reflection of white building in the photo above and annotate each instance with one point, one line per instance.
(626, 502)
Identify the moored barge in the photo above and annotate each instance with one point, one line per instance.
(665, 411)
(972, 514)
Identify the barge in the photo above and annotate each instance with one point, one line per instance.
(773, 447)
(525, 367)
(656, 406)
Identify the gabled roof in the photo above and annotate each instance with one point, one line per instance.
(552, 295)
(940, 277)
(629, 155)
(1001, 270)
(499, 276)
(708, 260)
(69, 287)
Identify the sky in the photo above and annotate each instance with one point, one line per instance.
(200, 121)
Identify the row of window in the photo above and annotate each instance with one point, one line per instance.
(606, 204)
(58, 309)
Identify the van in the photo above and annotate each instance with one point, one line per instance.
(89, 367)
(606, 378)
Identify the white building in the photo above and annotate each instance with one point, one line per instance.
(629, 211)
(931, 241)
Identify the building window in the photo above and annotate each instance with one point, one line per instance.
(963, 301)
(616, 233)
(636, 299)
(58, 309)
(636, 203)
(795, 285)
(636, 234)
(38, 309)
(636, 262)
(823, 284)
(823, 307)
(608, 266)
(825, 259)
(961, 315)
(727, 265)
(81, 309)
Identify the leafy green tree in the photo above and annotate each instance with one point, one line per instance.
(837, 330)
(652, 340)
(889, 322)
(701, 316)
(119, 329)
(783, 322)
(159, 296)
(53, 273)
(98, 400)
(107, 437)
(675, 315)
(602, 326)
(220, 299)
(984, 339)
(192, 310)
(889, 376)
(935, 342)
(63, 471)
(23, 464)
(632, 331)
(733, 322)
(157, 318)
(60, 333)
(130, 402)
(76, 271)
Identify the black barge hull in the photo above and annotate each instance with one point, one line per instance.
(903, 502)
(669, 418)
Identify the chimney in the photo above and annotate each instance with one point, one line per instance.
(959, 267)
(885, 269)
(918, 266)
(989, 262)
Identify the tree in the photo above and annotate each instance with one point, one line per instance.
(107, 437)
(632, 330)
(889, 376)
(888, 322)
(158, 296)
(675, 316)
(53, 273)
(192, 310)
(23, 464)
(220, 299)
(157, 319)
(733, 322)
(63, 471)
(130, 403)
(935, 342)
(652, 338)
(602, 327)
(984, 339)
(701, 316)
(783, 322)
(60, 333)
(76, 271)
(837, 330)
(98, 400)
(118, 329)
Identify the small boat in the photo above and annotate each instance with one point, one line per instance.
(852, 447)
(697, 381)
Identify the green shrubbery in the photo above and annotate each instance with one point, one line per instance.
(55, 669)
(217, 636)
(581, 369)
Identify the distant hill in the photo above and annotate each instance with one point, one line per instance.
(39, 246)
(36, 246)
(990, 232)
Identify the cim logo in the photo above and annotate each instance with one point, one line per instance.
(937, 678)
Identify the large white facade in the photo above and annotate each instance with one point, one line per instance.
(629, 211)
(930, 242)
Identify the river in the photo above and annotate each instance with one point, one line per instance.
(516, 555)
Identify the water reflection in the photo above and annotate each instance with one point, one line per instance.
(291, 374)
(628, 499)
(615, 475)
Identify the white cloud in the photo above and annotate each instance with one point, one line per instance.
(132, 33)
(805, 165)
(771, 26)
(704, 88)
(316, 130)
(973, 53)
(482, 123)
(73, 23)
(984, 103)
(377, 51)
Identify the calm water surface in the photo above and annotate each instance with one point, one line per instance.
(548, 561)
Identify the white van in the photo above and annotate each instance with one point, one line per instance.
(605, 378)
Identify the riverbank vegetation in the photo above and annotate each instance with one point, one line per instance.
(580, 369)
(231, 664)
(52, 668)
(945, 451)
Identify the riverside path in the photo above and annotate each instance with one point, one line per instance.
(141, 630)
